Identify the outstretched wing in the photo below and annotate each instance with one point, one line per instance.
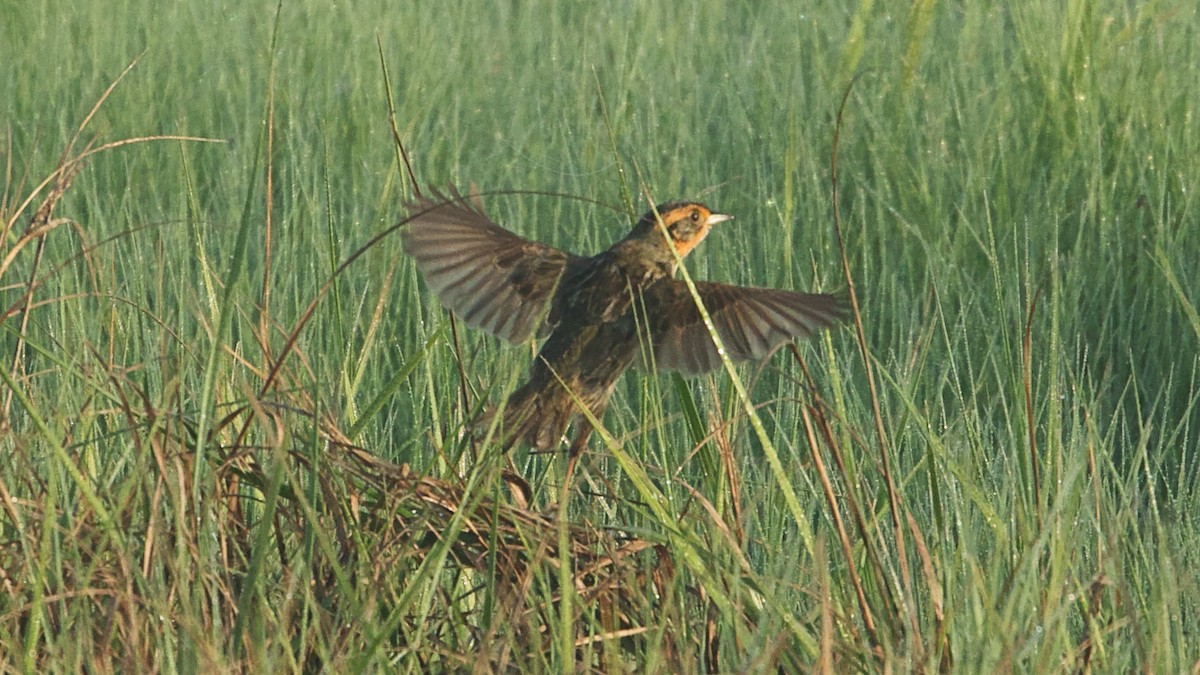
(488, 276)
(752, 322)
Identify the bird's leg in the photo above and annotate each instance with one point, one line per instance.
(581, 440)
(576, 449)
(598, 405)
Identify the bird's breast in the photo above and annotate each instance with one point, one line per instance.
(595, 336)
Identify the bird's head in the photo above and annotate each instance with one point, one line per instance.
(687, 223)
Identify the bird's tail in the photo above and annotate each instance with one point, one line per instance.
(537, 416)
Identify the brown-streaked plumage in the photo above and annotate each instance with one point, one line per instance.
(595, 312)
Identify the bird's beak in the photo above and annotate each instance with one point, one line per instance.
(714, 218)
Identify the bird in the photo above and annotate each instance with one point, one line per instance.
(596, 316)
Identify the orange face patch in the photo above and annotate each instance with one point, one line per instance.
(685, 246)
(687, 225)
(692, 225)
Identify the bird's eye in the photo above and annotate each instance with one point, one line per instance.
(695, 216)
